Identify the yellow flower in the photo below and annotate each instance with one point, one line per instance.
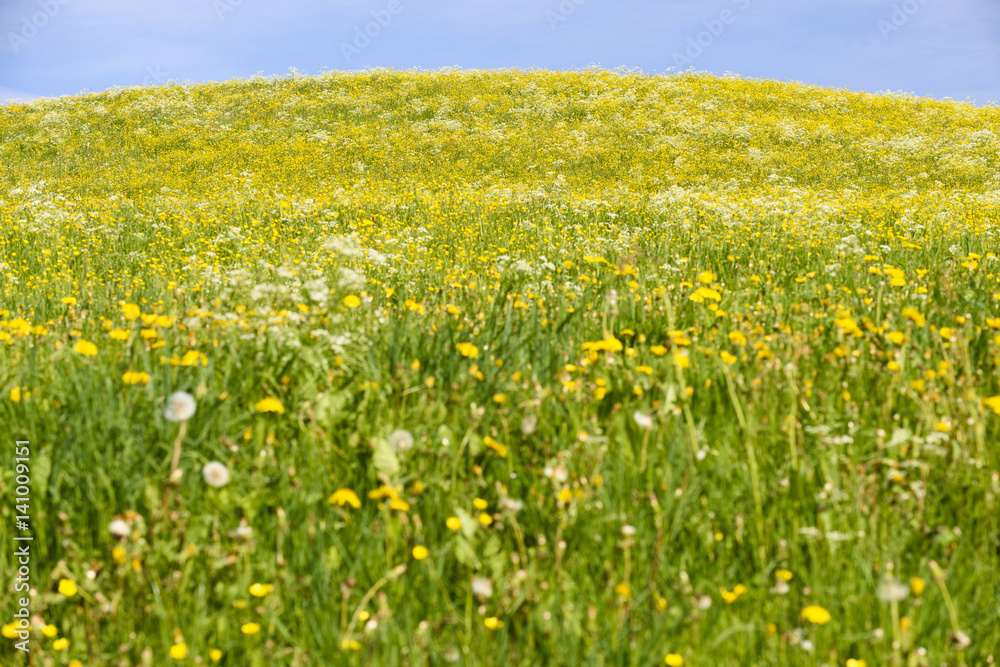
(420, 552)
(397, 504)
(674, 660)
(658, 350)
(215, 654)
(50, 630)
(352, 644)
(896, 337)
(492, 623)
(75, 663)
(148, 334)
(15, 394)
(60, 644)
(499, 399)
(69, 300)
(480, 504)
(179, 651)
(737, 338)
(993, 403)
(731, 597)
(816, 614)
(118, 555)
(624, 590)
(130, 310)
(135, 377)
(495, 446)
(851, 662)
(727, 358)
(86, 348)
(468, 350)
(644, 369)
(352, 301)
(610, 344)
(682, 360)
(270, 405)
(485, 519)
(453, 523)
(118, 334)
(914, 316)
(917, 585)
(784, 575)
(250, 628)
(344, 496)
(946, 332)
(260, 590)
(9, 630)
(67, 587)
(706, 277)
(702, 293)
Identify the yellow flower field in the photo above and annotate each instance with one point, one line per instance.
(502, 368)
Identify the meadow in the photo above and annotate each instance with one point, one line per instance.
(502, 368)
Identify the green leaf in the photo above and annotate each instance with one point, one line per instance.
(465, 554)
(385, 460)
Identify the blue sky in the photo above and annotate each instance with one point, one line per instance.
(936, 48)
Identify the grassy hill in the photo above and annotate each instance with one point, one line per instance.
(511, 367)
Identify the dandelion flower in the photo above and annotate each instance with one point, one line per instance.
(260, 590)
(917, 585)
(400, 440)
(453, 523)
(270, 404)
(674, 660)
(130, 311)
(250, 628)
(135, 377)
(216, 474)
(179, 651)
(180, 407)
(816, 614)
(351, 301)
(420, 552)
(60, 644)
(85, 348)
(15, 394)
(468, 350)
(345, 497)
(493, 623)
(215, 654)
